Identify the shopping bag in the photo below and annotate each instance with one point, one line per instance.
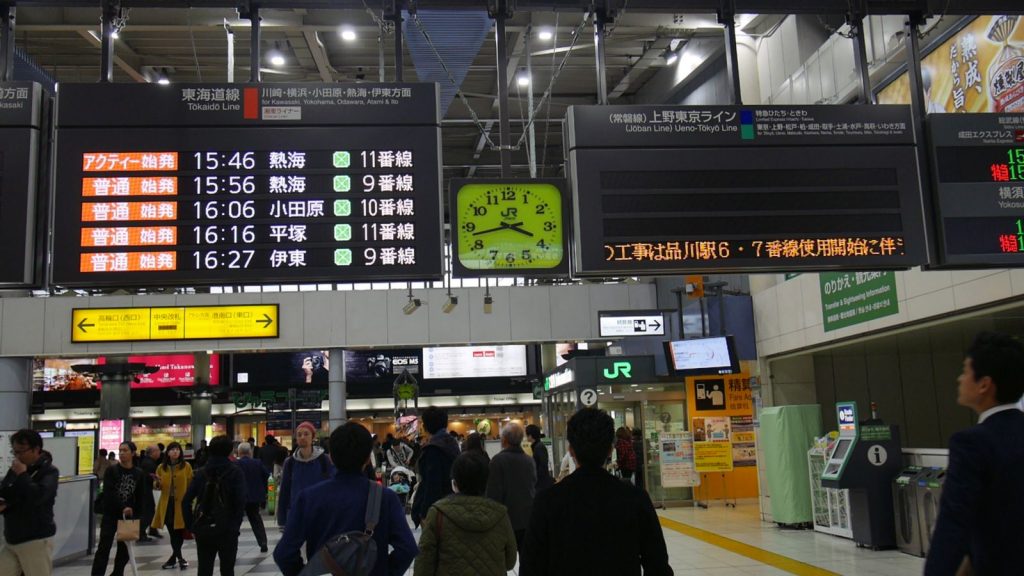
(127, 530)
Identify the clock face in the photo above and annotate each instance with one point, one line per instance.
(509, 226)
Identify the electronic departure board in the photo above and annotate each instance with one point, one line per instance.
(669, 189)
(234, 184)
(21, 119)
(978, 186)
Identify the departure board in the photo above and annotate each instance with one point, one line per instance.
(236, 184)
(670, 189)
(21, 121)
(978, 187)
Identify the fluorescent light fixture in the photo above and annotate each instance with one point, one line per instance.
(523, 79)
(348, 35)
(450, 304)
(545, 35)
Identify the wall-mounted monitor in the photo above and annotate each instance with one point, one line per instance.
(702, 356)
(475, 362)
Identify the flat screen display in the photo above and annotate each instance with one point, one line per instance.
(21, 151)
(175, 370)
(474, 361)
(842, 447)
(703, 356)
(292, 185)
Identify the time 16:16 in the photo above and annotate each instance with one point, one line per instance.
(233, 234)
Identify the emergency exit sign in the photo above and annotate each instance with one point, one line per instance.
(174, 323)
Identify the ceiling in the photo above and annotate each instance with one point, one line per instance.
(191, 45)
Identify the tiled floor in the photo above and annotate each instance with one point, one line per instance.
(689, 556)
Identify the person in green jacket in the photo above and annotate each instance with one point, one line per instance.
(467, 534)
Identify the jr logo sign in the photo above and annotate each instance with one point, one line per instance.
(619, 369)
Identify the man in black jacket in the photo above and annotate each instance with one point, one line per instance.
(27, 496)
(512, 480)
(435, 463)
(228, 503)
(592, 510)
(147, 464)
(980, 515)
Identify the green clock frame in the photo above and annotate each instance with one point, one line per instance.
(510, 227)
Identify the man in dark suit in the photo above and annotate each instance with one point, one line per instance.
(981, 515)
(591, 522)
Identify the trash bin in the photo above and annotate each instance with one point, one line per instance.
(929, 494)
(908, 521)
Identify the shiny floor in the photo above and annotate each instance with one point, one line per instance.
(740, 545)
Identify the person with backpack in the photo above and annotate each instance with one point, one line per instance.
(306, 467)
(216, 519)
(467, 534)
(172, 479)
(347, 523)
(122, 499)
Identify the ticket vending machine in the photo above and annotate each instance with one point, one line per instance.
(864, 460)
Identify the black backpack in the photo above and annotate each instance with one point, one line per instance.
(211, 517)
(352, 553)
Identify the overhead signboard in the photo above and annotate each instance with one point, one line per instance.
(670, 189)
(631, 323)
(474, 361)
(174, 323)
(978, 187)
(207, 184)
(21, 144)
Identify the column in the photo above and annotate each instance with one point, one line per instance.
(336, 391)
(202, 404)
(15, 393)
(115, 395)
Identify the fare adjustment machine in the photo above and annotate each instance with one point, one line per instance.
(864, 460)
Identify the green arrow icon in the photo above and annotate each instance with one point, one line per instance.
(342, 159)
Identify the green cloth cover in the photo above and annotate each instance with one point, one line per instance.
(787, 433)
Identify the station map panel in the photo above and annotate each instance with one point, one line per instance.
(663, 189)
(978, 187)
(207, 184)
(21, 112)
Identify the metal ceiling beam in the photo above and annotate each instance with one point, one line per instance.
(130, 66)
(874, 7)
(316, 48)
(650, 57)
(518, 46)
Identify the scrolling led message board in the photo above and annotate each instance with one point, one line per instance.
(665, 189)
(978, 182)
(206, 184)
(21, 112)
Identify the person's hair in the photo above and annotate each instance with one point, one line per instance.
(512, 433)
(434, 419)
(220, 447)
(591, 432)
(131, 446)
(350, 447)
(160, 445)
(623, 433)
(188, 445)
(475, 442)
(453, 434)
(1001, 358)
(111, 455)
(103, 452)
(244, 448)
(533, 431)
(270, 439)
(470, 474)
(27, 437)
(167, 455)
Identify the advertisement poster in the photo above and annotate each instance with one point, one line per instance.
(474, 361)
(712, 456)
(744, 448)
(979, 69)
(711, 429)
(677, 465)
(86, 449)
(175, 370)
(111, 434)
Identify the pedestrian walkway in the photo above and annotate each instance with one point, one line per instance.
(716, 542)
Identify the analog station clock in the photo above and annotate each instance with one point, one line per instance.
(509, 227)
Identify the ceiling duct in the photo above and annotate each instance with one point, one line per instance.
(457, 35)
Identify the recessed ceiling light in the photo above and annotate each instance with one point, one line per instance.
(545, 35)
(523, 79)
(277, 59)
(348, 35)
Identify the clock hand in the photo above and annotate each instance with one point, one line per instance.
(489, 230)
(516, 227)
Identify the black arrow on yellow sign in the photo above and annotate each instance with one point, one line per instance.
(267, 321)
(82, 325)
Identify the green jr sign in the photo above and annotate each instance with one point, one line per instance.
(617, 370)
(849, 298)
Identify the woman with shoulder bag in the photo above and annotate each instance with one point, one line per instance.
(122, 496)
(172, 479)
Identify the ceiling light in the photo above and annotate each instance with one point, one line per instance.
(546, 35)
(115, 34)
(523, 79)
(277, 59)
(162, 78)
(348, 35)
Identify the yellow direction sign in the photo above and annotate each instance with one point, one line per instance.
(174, 323)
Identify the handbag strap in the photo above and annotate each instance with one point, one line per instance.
(373, 502)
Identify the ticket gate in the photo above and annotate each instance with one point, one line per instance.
(908, 521)
(929, 494)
